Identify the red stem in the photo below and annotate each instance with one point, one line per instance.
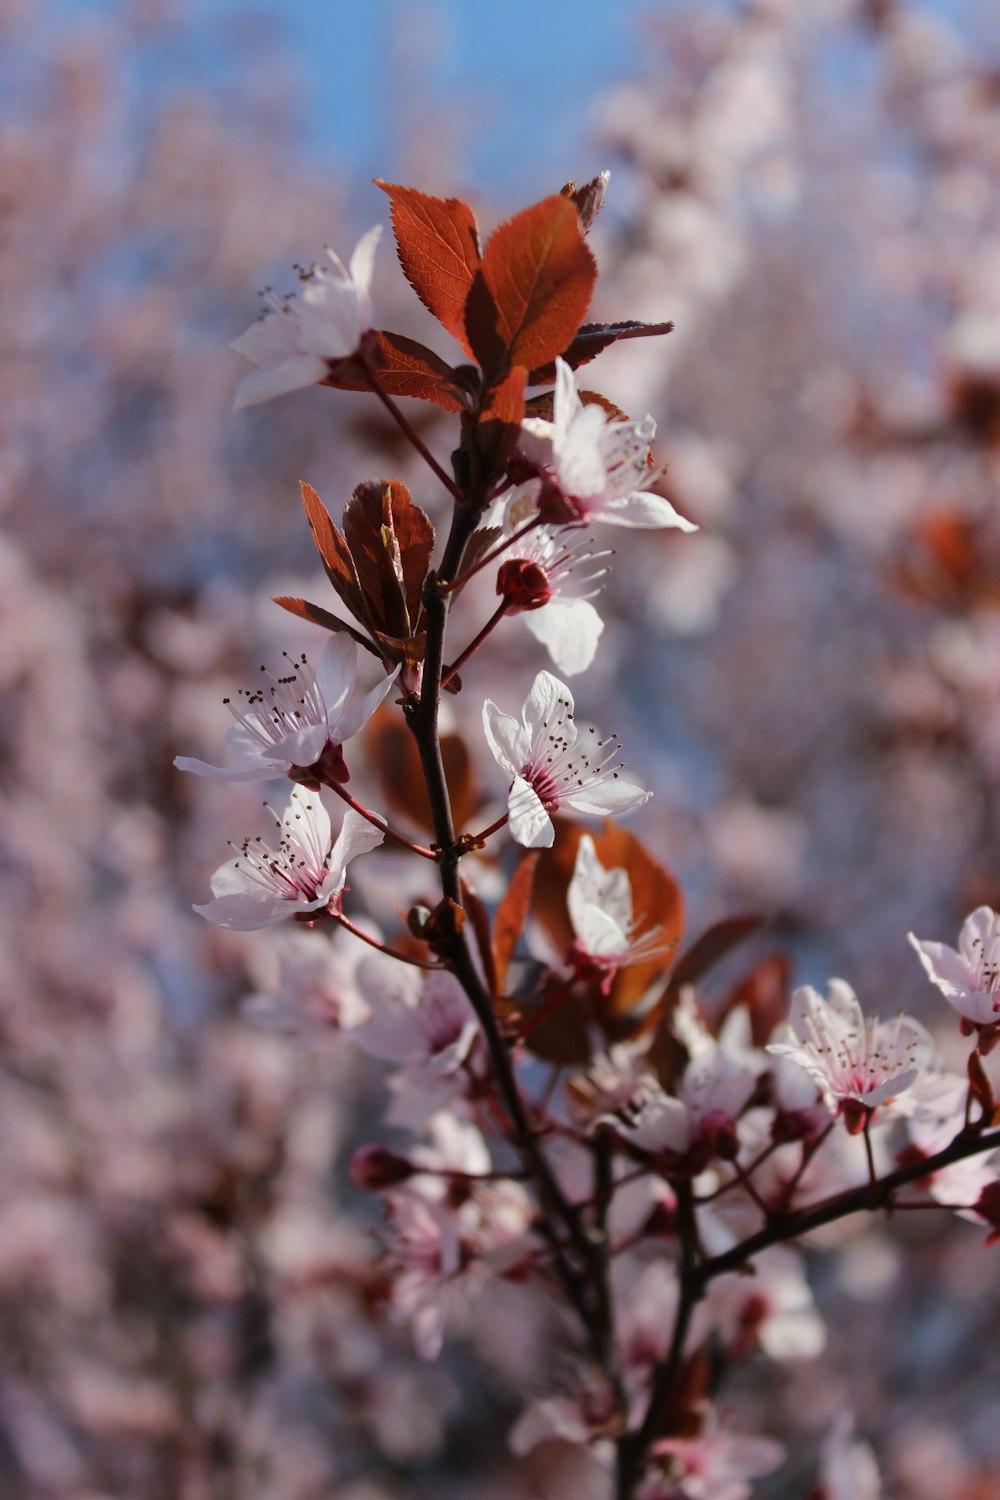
(404, 958)
(379, 822)
(492, 555)
(480, 838)
(474, 644)
(404, 426)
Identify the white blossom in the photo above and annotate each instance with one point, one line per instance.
(714, 1090)
(715, 1465)
(421, 1021)
(969, 976)
(446, 1244)
(607, 934)
(295, 339)
(550, 579)
(553, 765)
(857, 1060)
(303, 873)
(293, 722)
(597, 465)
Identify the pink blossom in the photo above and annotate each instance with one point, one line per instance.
(595, 468)
(773, 1308)
(295, 724)
(600, 909)
(450, 1235)
(304, 873)
(553, 765)
(715, 1465)
(422, 1022)
(713, 1092)
(550, 580)
(859, 1062)
(969, 976)
(938, 1118)
(295, 340)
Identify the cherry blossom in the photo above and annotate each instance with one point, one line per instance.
(568, 1419)
(614, 1080)
(938, 1118)
(295, 724)
(303, 873)
(550, 580)
(449, 1236)
(859, 1062)
(553, 765)
(422, 1022)
(714, 1089)
(600, 909)
(715, 1465)
(774, 1308)
(295, 339)
(314, 994)
(594, 468)
(969, 976)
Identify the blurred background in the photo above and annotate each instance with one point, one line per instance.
(811, 684)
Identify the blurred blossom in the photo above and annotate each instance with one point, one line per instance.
(192, 1295)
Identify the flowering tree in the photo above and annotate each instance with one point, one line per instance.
(582, 1132)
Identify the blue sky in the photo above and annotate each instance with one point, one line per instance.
(526, 73)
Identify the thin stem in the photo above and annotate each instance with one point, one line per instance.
(559, 1218)
(739, 1175)
(379, 822)
(405, 427)
(745, 1181)
(851, 1201)
(604, 1185)
(492, 555)
(809, 1150)
(475, 643)
(634, 1446)
(404, 958)
(696, 1275)
(480, 838)
(872, 1174)
(545, 1009)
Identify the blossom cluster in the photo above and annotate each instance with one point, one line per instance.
(584, 1127)
(192, 1295)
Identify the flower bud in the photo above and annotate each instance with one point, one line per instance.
(523, 584)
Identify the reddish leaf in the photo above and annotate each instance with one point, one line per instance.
(334, 552)
(542, 405)
(531, 291)
(764, 993)
(564, 1034)
(500, 423)
(706, 951)
(317, 615)
(589, 198)
(405, 648)
(390, 541)
(479, 920)
(394, 757)
(404, 368)
(592, 339)
(511, 915)
(438, 245)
